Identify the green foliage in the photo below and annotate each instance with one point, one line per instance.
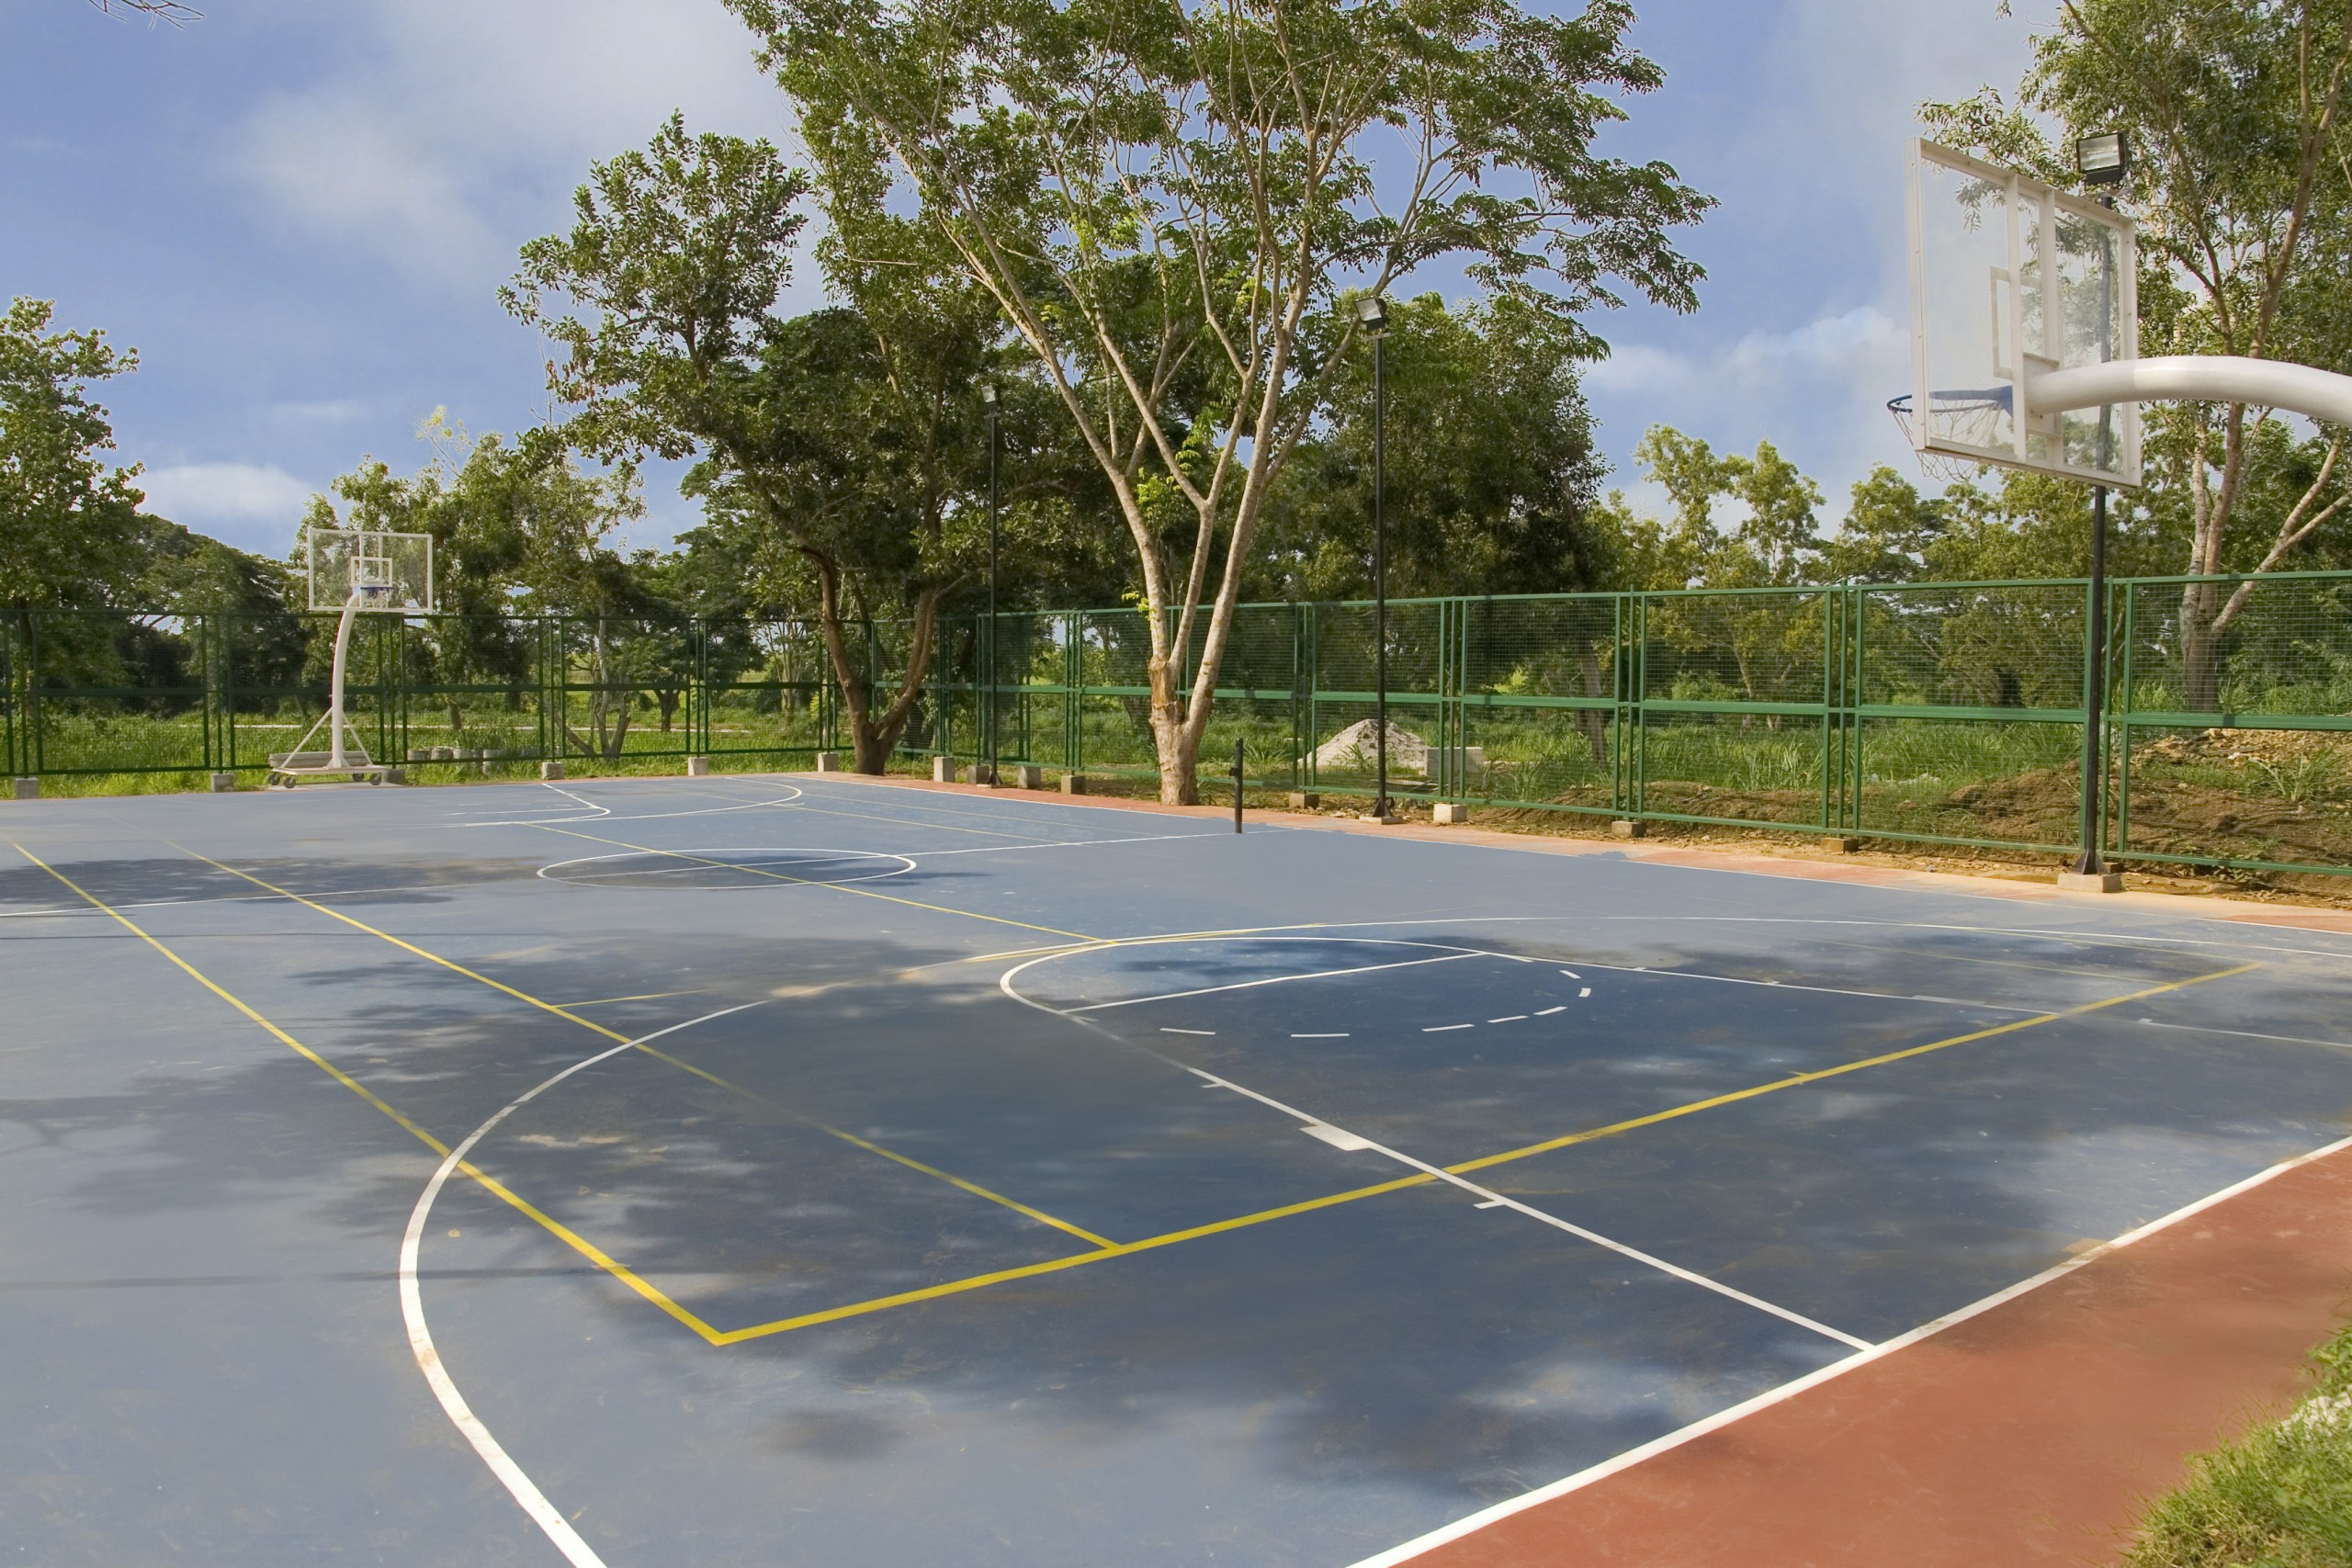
(70, 534)
(1165, 202)
(841, 446)
(1490, 468)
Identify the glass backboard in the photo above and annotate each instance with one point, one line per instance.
(2011, 278)
(370, 569)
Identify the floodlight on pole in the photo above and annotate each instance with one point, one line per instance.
(1371, 311)
(2104, 159)
(992, 401)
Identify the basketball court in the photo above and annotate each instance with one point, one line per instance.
(754, 1169)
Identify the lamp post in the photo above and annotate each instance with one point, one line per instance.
(1373, 313)
(2102, 161)
(992, 401)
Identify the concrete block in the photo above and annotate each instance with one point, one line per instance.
(1446, 813)
(1850, 846)
(223, 782)
(420, 753)
(829, 761)
(550, 770)
(943, 769)
(698, 767)
(1388, 822)
(1028, 775)
(396, 775)
(445, 753)
(1622, 828)
(29, 789)
(1073, 784)
(2091, 882)
(1305, 800)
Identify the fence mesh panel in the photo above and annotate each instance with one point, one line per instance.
(1947, 713)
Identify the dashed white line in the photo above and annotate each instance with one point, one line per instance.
(1586, 992)
(1165, 1030)
(1339, 1036)
(1447, 1027)
(1515, 1018)
(1562, 1007)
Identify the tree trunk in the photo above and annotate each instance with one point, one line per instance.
(2200, 651)
(1593, 722)
(872, 740)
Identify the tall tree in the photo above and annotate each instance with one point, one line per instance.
(1490, 468)
(1167, 200)
(2243, 184)
(70, 534)
(848, 436)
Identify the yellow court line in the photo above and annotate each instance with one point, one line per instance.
(883, 1304)
(647, 996)
(449, 964)
(579, 1244)
(1793, 1079)
(1054, 1265)
(612, 1034)
(812, 882)
(910, 1163)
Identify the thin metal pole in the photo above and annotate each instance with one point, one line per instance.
(2095, 689)
(990, 641)
(1379, 585)
(2094, 634)
(1236, 782)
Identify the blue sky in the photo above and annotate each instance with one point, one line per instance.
(298, 213)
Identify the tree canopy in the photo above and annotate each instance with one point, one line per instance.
(1168, 202)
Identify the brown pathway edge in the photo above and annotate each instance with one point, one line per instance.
(2031, 1427)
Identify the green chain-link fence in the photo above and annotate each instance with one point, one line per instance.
(1939, 712)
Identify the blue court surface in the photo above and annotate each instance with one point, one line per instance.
(754, 1170)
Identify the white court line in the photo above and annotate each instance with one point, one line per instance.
(1281, 979)
(1490, 1199)
(526, 1492)
(1793, 986)
(2250, 1035)
(607, 815)
(1721, 1418)
(1056, 845)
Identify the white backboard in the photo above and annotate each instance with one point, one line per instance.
(2011, 278)
(369, 570)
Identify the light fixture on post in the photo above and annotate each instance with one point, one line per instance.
(1371, 312)
(992, 401)
(2104, 160)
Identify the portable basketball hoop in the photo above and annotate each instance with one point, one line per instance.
(356, 571)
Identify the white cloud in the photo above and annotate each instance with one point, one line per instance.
(453, 130)
(1804, 332)
(251, 506)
